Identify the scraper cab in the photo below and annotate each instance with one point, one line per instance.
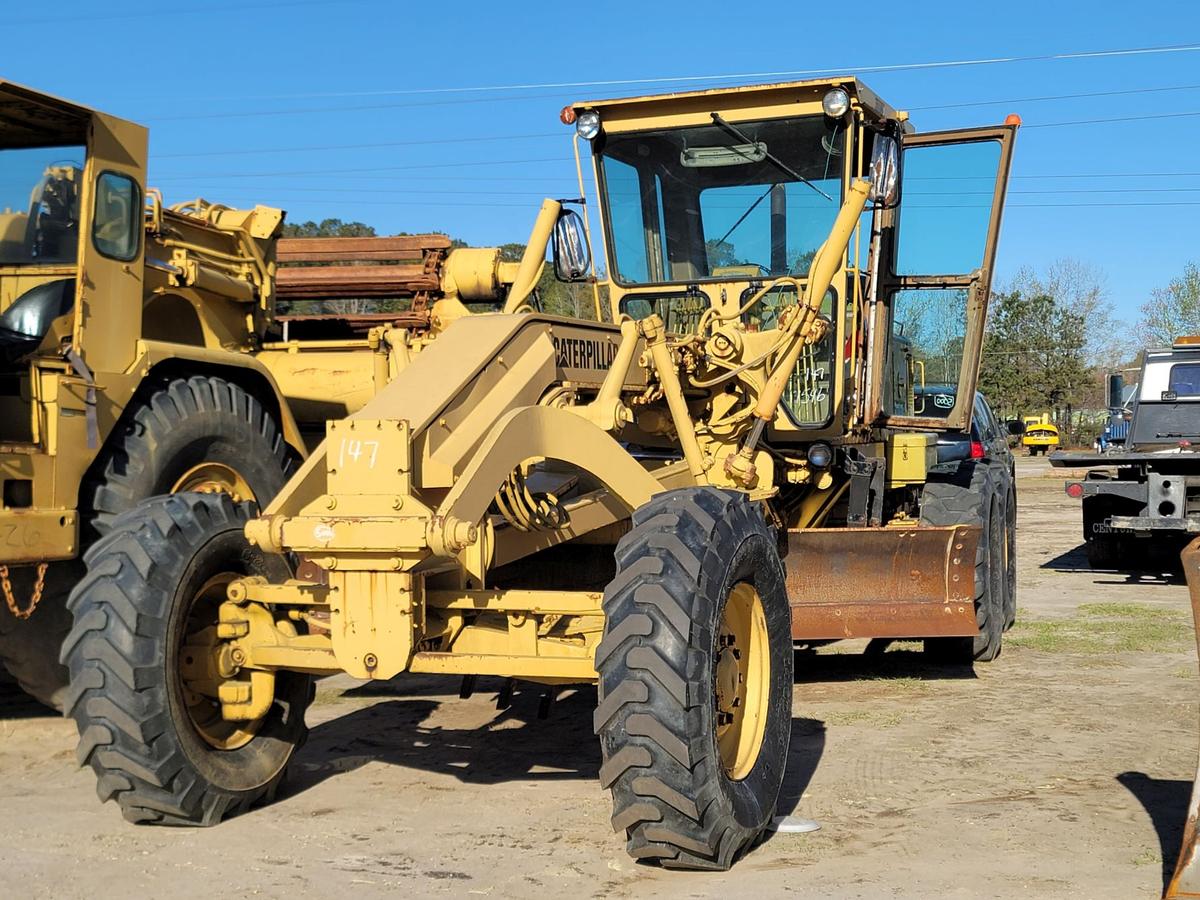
(661, 505)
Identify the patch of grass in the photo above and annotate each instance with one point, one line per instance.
(1146, 858)
(1107, 628)
(904, 684)
(874, 719)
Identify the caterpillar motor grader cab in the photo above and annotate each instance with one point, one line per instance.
(661, 504)
(138, 354)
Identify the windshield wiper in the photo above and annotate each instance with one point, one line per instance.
(749, 209)
(771, 157)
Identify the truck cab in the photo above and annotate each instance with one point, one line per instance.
(1150, 488)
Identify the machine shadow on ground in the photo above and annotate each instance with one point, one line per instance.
(515, 743)
(16, 704)
(1158, 571)
(897, 662)
(1166, 802)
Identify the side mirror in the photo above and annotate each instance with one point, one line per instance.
(1015, 427)
(885, 171)
(571, 257)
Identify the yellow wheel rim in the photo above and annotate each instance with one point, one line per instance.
(202, 669)
(741, 682)
(214, 478)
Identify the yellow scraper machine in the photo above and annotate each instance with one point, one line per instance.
(662, 504)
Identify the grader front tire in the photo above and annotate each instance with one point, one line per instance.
(695, 688)
(157, 749)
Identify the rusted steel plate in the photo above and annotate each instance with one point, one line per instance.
(411, 246)
(353, 281)
(882, 582)
(1186, 880)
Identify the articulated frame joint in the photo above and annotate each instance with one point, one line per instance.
(449, 536)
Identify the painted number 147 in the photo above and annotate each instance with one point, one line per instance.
(355, 450)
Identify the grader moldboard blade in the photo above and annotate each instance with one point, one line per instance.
(1186, 880)
(882, 582)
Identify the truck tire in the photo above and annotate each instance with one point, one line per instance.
(1106, 548)
(160, 750)
(695, 686)
(198, 433)
(971, 500)
(1106, 553)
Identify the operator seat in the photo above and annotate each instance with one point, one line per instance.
(25, 324)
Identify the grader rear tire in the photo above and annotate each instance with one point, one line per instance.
(695, 688)
(972, 500)
(155, 740)
(200, 433)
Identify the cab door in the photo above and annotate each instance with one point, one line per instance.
(108, 293)
(937, 251)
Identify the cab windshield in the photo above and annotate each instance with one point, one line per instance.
(717, 203)
(39, 205)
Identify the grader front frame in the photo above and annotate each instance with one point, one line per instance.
(648, 504)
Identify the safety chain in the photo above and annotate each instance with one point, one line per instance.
(13, 606)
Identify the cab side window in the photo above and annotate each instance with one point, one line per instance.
(116, 224)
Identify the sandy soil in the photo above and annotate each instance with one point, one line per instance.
(1061, 770)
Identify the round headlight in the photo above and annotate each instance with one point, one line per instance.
(820, 455)
(835, 103)
(587, 124)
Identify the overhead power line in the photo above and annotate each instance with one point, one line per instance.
(275, 111)
(375, 146)
(1046, 97)
(373, 169)
(740, 76)
(167, 10)
(1179, 115)
(559, 135)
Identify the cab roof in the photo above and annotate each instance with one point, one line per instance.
(32, 118)
(751, 95)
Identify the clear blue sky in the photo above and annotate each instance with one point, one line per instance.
(266, 87)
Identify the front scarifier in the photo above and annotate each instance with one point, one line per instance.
(660, 505)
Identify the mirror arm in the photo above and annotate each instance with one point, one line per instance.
(534, 258)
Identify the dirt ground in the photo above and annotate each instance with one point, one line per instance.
(1061, 770)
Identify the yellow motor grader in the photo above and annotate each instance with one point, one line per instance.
(662, 504)
(140, 353)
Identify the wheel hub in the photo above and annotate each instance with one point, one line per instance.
(205, 662)
(741, 681)
(214, 478)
